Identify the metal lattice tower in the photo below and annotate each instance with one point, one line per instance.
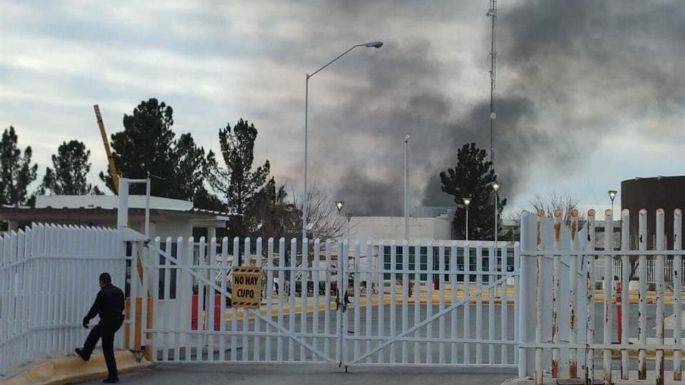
(492, 13)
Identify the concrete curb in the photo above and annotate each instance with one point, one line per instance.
(70, 370)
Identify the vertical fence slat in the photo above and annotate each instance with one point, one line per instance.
(222, 316)
(235, 262)
(590, 302)
(268, 293)
(504, 304)
(454, 314)
(660, 246)
(642, 305)
(467, 302)
(303, 295)
(316, 268)
(537, 377)
(677, 295)
(133, 293)
(369, 291)
(356, 331)
(257, 321)
(573, 306)
(429, 299)
(210, 299)
(556, 291)
(479, 302)
(144, 299)
(188, 264)
(381, 316)
(244, 316)
(406, 293)
(343, 265)
(154, 261)
(625, 283)
(201, 298)
(291, 298)
(166, 344)
(492, 261)
(4, 305)
(441, 307)
(281, 296)
(327, 292)
(608, 327)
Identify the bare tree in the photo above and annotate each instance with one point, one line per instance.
(565, 203)
(324, 220)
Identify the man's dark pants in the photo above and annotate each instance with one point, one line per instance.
(104, 330)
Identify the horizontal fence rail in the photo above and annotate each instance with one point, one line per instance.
(48, 281)
(433, 303)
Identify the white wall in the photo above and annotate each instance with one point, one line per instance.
(392, 228)
(171, 228)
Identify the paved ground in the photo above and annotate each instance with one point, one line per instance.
(307, 374)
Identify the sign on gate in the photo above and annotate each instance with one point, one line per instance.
(247, 287)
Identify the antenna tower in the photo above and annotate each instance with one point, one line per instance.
(492, 13)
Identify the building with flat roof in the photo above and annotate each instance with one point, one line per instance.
(168, 217)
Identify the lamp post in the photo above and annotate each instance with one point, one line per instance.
(406, 188)
(373, 44)
(467, 202)
(612, 196)
(495, 188)
(339, 205)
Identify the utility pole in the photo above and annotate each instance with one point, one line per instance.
(492, 13)
(406, 188)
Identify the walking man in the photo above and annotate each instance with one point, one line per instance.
(109, 305)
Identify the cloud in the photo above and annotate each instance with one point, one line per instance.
(570, 76)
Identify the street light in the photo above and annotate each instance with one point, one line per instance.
(406, 188)
(372, 44)
(467, 202)
(339, 205)
(495, 187)
(612, 196)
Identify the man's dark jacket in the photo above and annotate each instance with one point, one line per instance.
(109, 305)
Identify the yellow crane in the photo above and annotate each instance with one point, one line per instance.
(112, 167)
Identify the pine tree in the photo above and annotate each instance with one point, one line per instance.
(237, 180)
(473, 178)
(71, 166)
(16, 170)
(148, 145)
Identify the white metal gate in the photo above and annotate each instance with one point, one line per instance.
(423, 304)
(438, 304)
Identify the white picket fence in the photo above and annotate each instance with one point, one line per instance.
(368, 303)
(48, 281)
(561, 312)
(432, 303)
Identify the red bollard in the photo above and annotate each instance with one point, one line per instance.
(619, 310)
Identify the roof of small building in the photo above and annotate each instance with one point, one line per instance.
(105, 205)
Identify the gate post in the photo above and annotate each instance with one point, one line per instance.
(526, 310)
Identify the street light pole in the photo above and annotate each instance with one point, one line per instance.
(467, 201)
(406, 188)
(373, 44)
(612, 196)
(495, 187)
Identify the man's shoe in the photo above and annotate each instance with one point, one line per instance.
(110, 380)
(79, 352)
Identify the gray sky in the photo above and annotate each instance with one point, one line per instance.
(588, 92)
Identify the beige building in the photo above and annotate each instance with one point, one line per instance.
(168, 217)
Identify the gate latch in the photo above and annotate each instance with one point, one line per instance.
(344, 303)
